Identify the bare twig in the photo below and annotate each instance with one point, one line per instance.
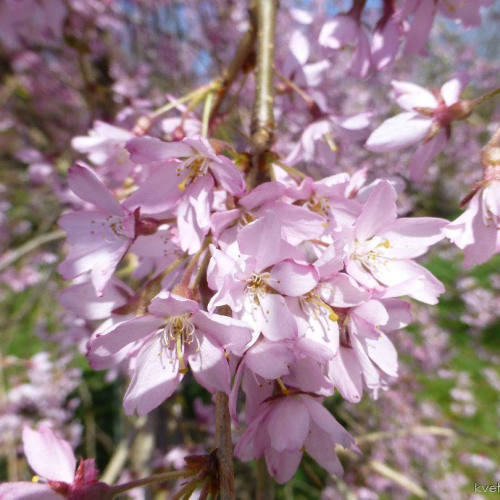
(28, 247)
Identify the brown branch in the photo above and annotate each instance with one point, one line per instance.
(224, 446)
(263, 111)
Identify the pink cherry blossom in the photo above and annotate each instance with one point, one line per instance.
(381, 246)
(53, 460)
(476, 231)
(427, 117)
(187, 172)
(174, 335)
(99, 238)
(286, 427)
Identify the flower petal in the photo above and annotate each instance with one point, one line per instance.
(399, 132)
(49, 456)
(87, 186)
(156, 376)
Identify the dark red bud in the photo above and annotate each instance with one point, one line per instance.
(146, 226)
(178, 133)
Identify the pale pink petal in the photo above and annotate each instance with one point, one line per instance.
(373, 312)
(121, 334)
(299, 46)
(148, 149)
(28, 491)
(269, 359)
(345, 372)
(399, 314)
(210, 366)
(261, 240)
(264, 193)
(342, 291)
(327, 422)
(159, 191)
(399, 132)
(417, 35)
(104, 268)
(309, 375)
(254, 441)
(410, 96)
(232, 334)
(297, 223)
(220, 221)
(228, 176)
(279, 322)
(288, 433)
(370, 374)
(87, 186)
(452, 89)
(384, 354)
(156, 376)
(398, 271)
(293, 278)
(378, 211)
(282, 466)
(50, 457)
(81, 299)
(411, 237)
(167, 304)
(425, 153)
(321, 447)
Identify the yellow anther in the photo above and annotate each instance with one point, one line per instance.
(35, 479)
(180, 354)
(330, 142)
(283, 387)
(332, 316)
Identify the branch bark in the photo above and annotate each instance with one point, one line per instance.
(224, 446)
(263, 111)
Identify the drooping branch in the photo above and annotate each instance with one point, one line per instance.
(263, 111)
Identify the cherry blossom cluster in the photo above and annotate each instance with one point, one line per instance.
(303, 287)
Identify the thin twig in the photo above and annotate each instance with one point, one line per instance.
(28, 247)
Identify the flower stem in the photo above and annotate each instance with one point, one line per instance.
(485, 97)
(155, 478)
(206, 113)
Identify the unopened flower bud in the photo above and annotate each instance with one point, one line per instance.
(146, 226)
(461, 110)
(178, 134)
(142, 126)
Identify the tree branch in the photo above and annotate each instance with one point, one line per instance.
(263, 111)
(224, 446)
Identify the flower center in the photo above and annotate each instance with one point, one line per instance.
(371, 252)
(320, 206)
(197, 167)
(178, 332)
